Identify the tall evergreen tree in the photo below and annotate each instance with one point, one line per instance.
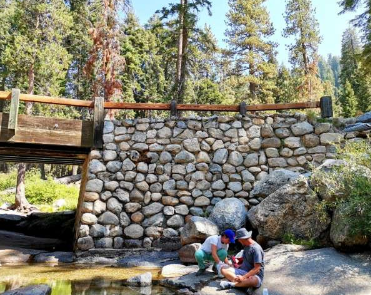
(302, 24)
(249, 28)
(348, 100)
(353, 71)
(185, 25)
(37, 32)
(362, 21)
(105, 62)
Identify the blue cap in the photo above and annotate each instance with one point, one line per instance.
(230, 235)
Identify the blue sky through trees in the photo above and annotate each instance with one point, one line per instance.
(332, 25)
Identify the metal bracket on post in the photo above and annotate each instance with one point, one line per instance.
(326, 107)
(98, 122)
(243, 109)
(14, 107)
(173, 108)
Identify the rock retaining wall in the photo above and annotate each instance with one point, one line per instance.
(152, 175)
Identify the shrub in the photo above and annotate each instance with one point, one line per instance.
(8, 180)
(39, 191)
(352, 184)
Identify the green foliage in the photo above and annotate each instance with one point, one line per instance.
(348, 100)
(8, 180)
(302, 24)
(351, 185)
(291, 239)
(41, 193)
(249, 28)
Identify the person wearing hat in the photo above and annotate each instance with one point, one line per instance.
(250, 274)
(214, 249)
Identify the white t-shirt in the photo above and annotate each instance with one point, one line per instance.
(213, 240)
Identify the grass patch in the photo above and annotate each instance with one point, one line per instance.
(291, 239)
(39, 192)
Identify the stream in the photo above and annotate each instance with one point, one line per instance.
(72, 279)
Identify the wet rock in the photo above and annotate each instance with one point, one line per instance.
(141, 280)
(31, 290)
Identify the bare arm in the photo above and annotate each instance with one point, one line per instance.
(254, 271)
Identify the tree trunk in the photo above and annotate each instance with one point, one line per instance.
(20, 194)
(21, 202)
(75, 169)
(42, 171)
(179, 62)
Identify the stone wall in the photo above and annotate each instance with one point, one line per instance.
(152, 175)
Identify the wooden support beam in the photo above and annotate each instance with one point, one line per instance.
(243, 110)
(326, 107)
(98, 122)
(14, 107)
(173, 108)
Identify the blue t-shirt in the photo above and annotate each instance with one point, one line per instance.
(253, 254)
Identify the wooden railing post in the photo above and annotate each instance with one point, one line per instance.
(98, 122)
(173, 108)
(326, 107)
(243, 109)
(14, 107)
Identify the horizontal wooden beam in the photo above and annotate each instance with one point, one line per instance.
(161, 106)
(41, 154)
(4, 95)
(47, 131)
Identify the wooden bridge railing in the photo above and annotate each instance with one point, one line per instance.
(99, 106)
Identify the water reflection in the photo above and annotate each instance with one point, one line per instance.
(78, 279)
(93, 287)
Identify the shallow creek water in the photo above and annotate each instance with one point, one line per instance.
(79, 279)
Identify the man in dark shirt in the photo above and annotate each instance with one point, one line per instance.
(251, 272)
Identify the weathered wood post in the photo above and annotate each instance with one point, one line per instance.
(243, 109)
(173, 108)
(14, 107)
(98, 122)
(326, 107)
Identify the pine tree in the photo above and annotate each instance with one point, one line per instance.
(363, 22)
(184, 27)
(105, 62)
(348, 100)
(143, 79)
(36, 34)
(253, 55)
(302, 24)
(353, 71)
(285, 92)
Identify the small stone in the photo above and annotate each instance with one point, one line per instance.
(302, 128)
(220, 156)
(88, 218)
(175, 221)
(292, 142)
(273, 142)
(202, 201)
(134, 231)
(251, 160)
(108, 218)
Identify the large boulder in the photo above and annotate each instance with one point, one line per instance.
(292, 209)
(332, 188)
(31, 290)
(341, 235)
(197, 230)
(187, 253)
(272, 182)
(229, 213)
